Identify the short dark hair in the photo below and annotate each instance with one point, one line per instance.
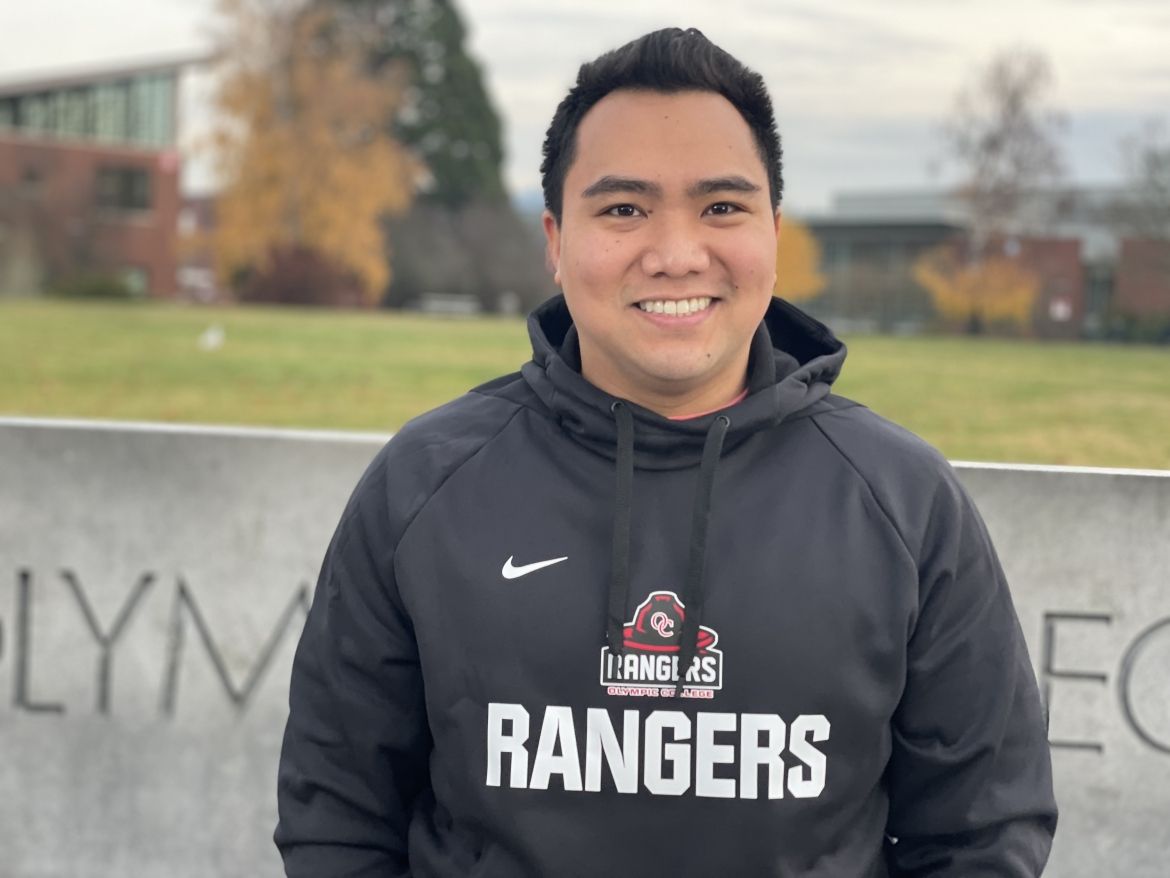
(668, 61)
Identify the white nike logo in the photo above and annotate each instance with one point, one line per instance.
(512, 572)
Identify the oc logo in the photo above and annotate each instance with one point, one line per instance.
(663, 624)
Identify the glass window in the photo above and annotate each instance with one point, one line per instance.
(123, 188)
(113, 112)
(53, 112)
(135, 110)
(32, 113)
(31, 182)
(72, 121)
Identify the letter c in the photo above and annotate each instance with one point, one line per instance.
(1128, 660)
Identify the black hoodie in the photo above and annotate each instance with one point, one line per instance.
(488, 681)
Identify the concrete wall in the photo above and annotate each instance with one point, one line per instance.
(153, 583)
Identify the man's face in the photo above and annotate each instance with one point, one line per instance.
(666, 250)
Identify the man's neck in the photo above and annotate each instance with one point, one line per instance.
(673, 401)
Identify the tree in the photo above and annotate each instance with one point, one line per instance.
(798, 263)
(446, 116)
(308, 165)
(1140, 305)
(995, 289)
(462, 236)
(1005, 141)
(1145, 207)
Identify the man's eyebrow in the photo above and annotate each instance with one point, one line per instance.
(610, 185)
(721, 184)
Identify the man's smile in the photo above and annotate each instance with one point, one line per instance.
(676, 307)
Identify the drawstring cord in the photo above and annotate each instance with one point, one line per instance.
(619, 576)
(692, 597)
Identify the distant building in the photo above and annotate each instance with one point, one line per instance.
(1092, 276)
(89, 178)
(868, 267)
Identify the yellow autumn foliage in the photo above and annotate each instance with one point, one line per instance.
(303, 148)
(798, 263)
(994, 289)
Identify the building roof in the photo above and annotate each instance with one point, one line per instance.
(1085, 212)
(77, 76)
(946, 205)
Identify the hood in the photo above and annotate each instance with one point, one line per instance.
(793, 362)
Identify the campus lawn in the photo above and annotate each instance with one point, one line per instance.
(976, 399)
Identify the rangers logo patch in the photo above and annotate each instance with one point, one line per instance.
(648, 665)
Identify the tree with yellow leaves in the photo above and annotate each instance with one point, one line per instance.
(307, 163)
(996, 288)
(798, 263)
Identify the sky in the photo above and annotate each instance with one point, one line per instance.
(861, 89)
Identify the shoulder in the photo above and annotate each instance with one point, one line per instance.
(909, 479)
(445, 436)
(875, 444)
(430, 448)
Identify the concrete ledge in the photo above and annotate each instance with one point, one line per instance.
(154, 578)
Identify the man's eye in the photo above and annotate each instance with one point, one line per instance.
(723, 208)
(624, 211)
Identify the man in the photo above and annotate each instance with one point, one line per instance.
(660, 604)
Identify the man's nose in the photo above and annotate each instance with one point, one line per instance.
(677, 248)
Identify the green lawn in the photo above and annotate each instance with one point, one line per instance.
(1092, 405)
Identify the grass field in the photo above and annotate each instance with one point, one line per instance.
(1093, 405)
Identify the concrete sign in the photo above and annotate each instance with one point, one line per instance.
(153, 582)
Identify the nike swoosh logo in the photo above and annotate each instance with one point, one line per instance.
(510, 571)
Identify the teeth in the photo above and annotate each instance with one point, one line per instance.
(676, 307)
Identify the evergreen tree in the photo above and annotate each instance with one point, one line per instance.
(462, 236)
(447, 118)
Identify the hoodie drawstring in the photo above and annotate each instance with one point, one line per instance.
(619, 571)
(692, 597)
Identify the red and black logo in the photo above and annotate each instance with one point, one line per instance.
(649, 662)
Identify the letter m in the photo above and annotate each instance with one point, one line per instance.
(185, 607)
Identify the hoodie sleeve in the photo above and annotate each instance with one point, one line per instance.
(356, 743)
(970, 774)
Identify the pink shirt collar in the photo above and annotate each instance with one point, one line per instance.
(738, 399)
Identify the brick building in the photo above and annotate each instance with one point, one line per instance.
(1062, 302)
(1142, 285)
(1093, 278)
(89, 178)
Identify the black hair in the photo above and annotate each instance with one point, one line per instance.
(668, 61)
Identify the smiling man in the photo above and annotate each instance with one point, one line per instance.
(665, 246)
(661, 603)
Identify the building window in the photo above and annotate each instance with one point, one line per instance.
(835, 255)
(138, 109)
(123, 188)
(31, 182)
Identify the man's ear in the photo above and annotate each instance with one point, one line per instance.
(778, 217)
(552, 245)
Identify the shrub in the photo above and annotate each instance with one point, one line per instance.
(93, 285)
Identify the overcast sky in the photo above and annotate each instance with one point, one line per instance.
(860, 88)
